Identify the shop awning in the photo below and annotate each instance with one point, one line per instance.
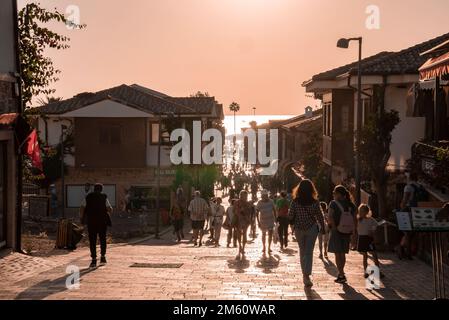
(435, 67)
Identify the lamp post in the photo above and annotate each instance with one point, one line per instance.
(63, 127)
(158, 203)
(158, 206)
(344, 44)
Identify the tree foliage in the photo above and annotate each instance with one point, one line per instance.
(375, 141)
(37, 69)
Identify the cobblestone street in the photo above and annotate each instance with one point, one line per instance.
(185, 272)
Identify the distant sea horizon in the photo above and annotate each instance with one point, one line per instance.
(242, 121)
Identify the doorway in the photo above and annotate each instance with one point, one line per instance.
(3, 195)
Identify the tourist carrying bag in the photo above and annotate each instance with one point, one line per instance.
(346, 225)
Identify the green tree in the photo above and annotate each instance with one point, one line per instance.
(200, 94)
(234, 107)
(37, 69)
(375, 141)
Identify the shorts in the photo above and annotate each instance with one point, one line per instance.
(365, 244)
(338, 242)
(198, 224)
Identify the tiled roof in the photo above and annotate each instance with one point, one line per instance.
(135, 96)
(406, 61)
(291, 122)
(332, 74)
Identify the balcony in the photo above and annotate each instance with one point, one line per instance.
(431, 163)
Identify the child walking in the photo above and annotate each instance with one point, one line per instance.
(366, 227)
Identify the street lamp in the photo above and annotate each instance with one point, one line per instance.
(63, 128)
(344, 44)
(158, 205)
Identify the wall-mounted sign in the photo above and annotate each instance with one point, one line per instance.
(404, 221)
(430, 219)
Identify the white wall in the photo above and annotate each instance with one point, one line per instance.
(54, 134)
(408, 131)
(107, 109)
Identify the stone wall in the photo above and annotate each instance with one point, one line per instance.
(123, 179)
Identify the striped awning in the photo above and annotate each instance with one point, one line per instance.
(435, 67)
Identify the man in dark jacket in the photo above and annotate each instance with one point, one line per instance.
(95, 213)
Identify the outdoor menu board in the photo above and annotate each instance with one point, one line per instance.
(404, 221)
(430, 219)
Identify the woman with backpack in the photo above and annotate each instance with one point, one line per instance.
(305, 212)
(342, 217)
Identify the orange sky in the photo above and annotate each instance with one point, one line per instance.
(255, 52)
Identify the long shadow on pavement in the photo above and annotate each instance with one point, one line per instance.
(312, 294)
(238, 265)
(268, 263)
(330, 267)
(351, 294)
(47, 288)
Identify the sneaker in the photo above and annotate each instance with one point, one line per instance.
(195, 244)
(103, 260)
(341, 279)
(93, 264)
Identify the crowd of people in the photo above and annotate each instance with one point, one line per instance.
(336, 225)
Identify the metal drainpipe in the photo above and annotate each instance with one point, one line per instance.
(18, 244)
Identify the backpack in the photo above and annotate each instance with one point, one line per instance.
(419, 195)
(346, 224)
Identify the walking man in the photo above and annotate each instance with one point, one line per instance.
(266, 216)
(242, 220)
(199, 210)
(95, 213)
(217, 221)
(282, 206)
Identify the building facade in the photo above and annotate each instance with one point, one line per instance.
(112, 137)
(389, 75)
(9, 118)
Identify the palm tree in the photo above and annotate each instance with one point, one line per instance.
(234, 107)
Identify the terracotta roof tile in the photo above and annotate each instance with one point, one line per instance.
(406, 61)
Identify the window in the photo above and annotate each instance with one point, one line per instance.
(154, 134)
(327, 119)
(367, 110)
(3, 188)
(75, 194)
(110, 135)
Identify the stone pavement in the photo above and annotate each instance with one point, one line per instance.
(186, 272)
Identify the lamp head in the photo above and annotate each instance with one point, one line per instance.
(343, 43)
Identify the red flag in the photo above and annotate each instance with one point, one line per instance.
(33, 150)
